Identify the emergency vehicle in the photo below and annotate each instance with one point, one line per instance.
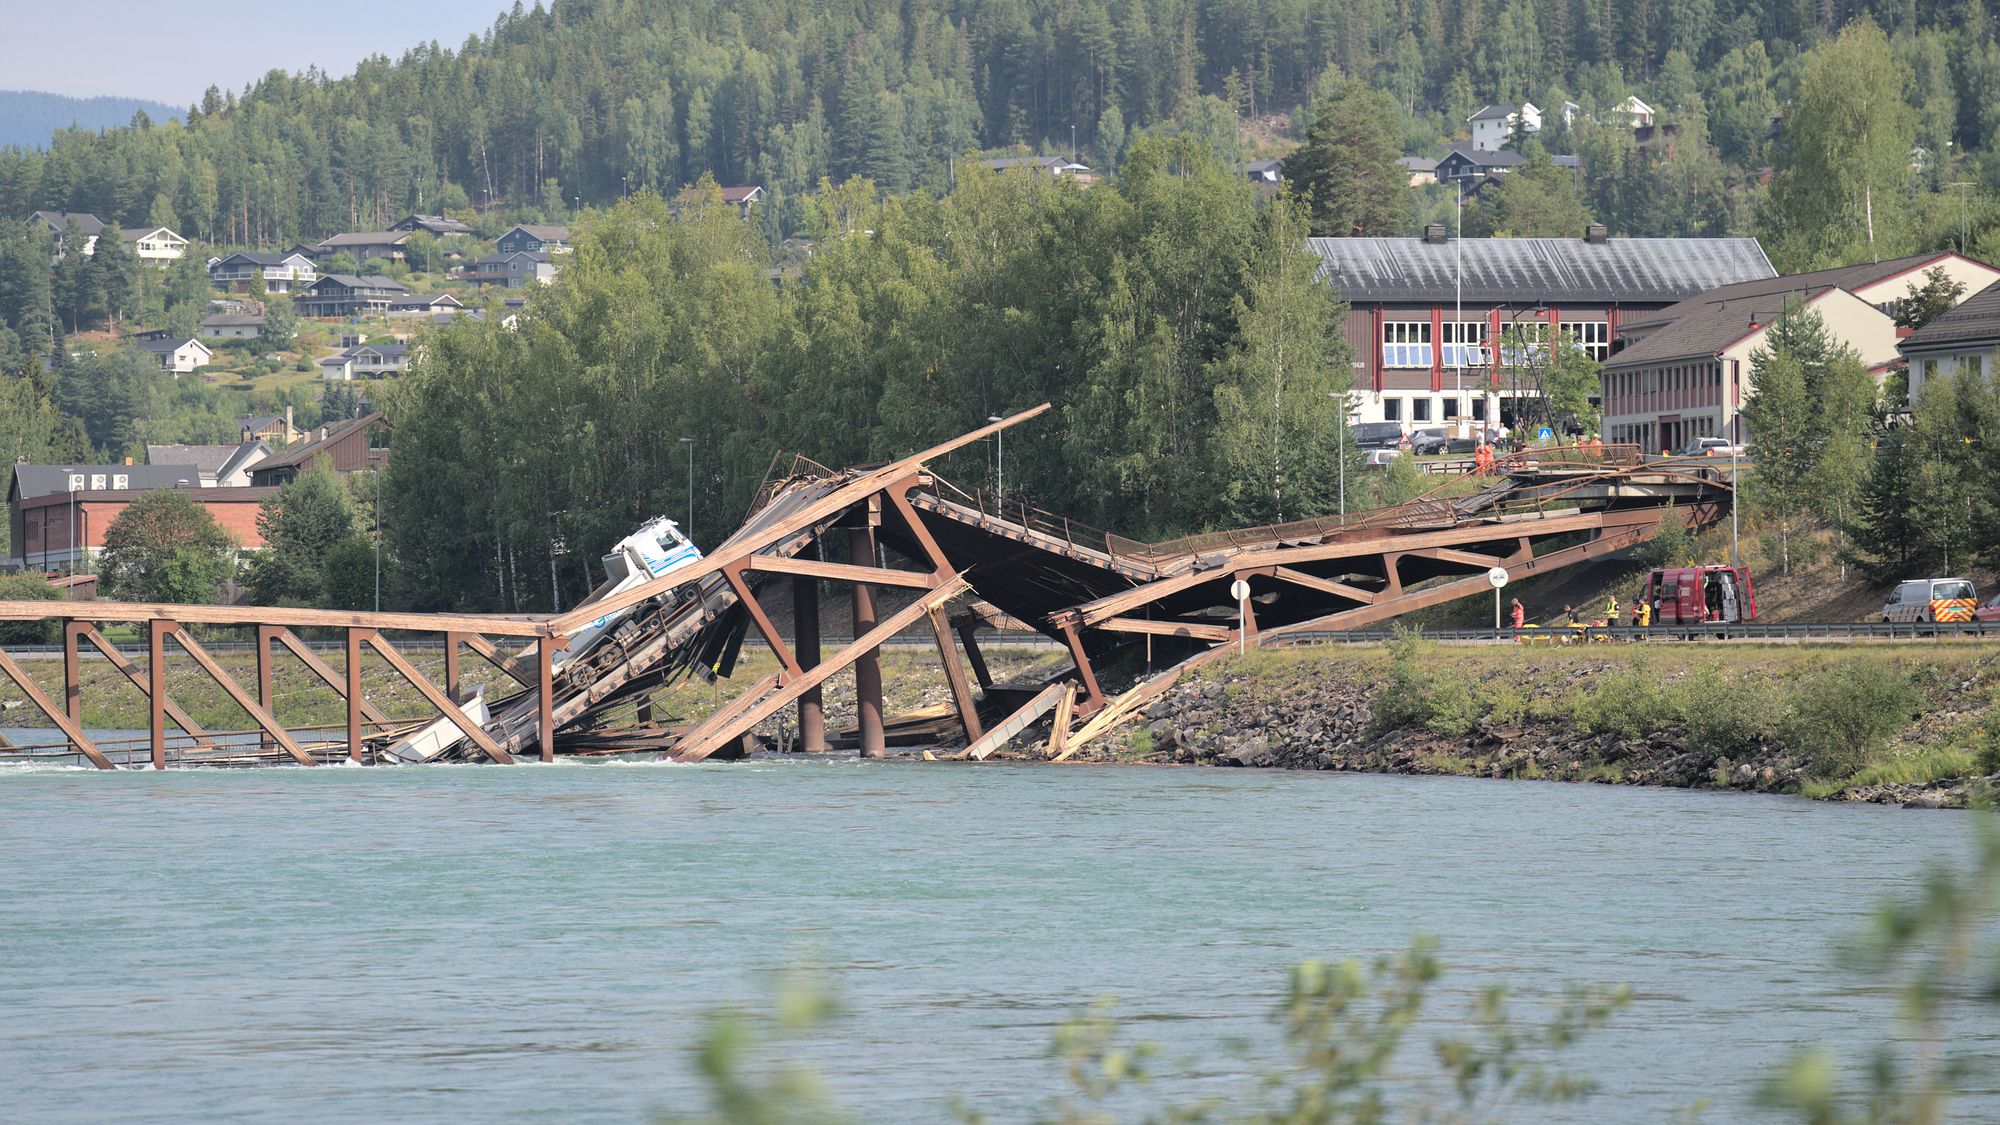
(1692, 595)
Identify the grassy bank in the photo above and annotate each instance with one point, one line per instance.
(1868, 722)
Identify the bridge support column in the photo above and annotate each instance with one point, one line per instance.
(805, 649)
(868, 667)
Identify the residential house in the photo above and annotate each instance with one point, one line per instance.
(221, 466)
(177, 356)
(364, 361)
(532, 237)
(67, 227)
(272, 429)
(280, 273)
(1264, 173)
(1422, 170)
(156, 245)
(58, 513)
(1051, 166)
(1965, 339)
(1423, 312)
(1637, 112)
(1493, 126)
(365, 246)
(1467, 164)
(344, 294)
(232, 326)
(741, 197)
(436, 225)
(350, 446)
(513, 269)
(410, 305)
(1685, 371)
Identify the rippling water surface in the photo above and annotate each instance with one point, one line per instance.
(480, 943)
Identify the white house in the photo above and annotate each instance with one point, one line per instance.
(281, 272)
(1686, 371)
(65, 227)
(364, 361)
(157, 245)
(1494, 125)
(1965, 339)
(1637, 112)
(177, 356)
(220, 466)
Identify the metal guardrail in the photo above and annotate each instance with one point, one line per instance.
(1756, 631)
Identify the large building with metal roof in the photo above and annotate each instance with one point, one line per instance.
(1422, 312)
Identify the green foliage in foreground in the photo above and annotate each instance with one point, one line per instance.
(1346, 1029)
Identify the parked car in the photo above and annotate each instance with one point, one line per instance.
(1709, 447)
(1438, 440)
(1988, 612)
(1381, 457)
(1377, 435)
(1689, 595)
(1931, 600)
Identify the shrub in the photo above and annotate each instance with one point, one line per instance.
(1987, 754)
(1845, 713)
(29, 587)
(1731, 716)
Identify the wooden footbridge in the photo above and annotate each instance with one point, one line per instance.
(960, 561)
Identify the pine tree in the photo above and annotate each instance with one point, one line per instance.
(1347, 169)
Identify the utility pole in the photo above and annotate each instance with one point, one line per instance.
(689, 530)
(378, 539)
(1000, 436)
(1961, 185)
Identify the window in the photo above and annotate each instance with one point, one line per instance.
(1392, 410)
(1479, 409)
(1593, 336)
(1464, 343)
(1535, 334)
(1420, 410)
(1406, 343)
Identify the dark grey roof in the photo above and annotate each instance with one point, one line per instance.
(436, 224)
(31, 481)
(357, 281)
(1265, 166)
(1494, 113)
(233, 320)
(208, 458)
(1976, 320)
(363, 238)
(255, 258)
(166, 345)
(1417, 163)
(1713, 326)
(1526, 270)
(425, 301)
(541, 232)
(386, 351)
(134, 234)
(83, 221)
(1838, 277)
(247, 455)
(503, 259)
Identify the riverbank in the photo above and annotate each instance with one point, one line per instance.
(1912, 724)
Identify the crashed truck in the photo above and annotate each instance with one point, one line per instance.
(657, 549)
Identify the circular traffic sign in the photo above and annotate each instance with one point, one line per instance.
(1239, 589)
(1497, 576)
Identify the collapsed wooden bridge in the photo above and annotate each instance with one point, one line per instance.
(959, 561)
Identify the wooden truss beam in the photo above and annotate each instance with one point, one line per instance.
(515, 666)
(839, 572)
(954, 674)
(332, 679)
(234, 690)
(522, 626)
(712, 736)
(437, 699)
(1323, 585)
(70, 728)
(1010, 727)
(1167, 628)
(88, 632)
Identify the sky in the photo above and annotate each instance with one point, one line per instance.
(200, 44)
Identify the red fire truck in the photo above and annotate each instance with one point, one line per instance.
(1691, 595)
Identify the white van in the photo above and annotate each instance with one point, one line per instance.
(1931, 600)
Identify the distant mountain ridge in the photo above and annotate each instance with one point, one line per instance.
(29, 118)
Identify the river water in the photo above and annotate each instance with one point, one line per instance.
(476, 943)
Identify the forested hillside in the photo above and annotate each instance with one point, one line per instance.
(30, 118)
(593, 98)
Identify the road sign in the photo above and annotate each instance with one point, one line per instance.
(1545, 435)
(1239, 589)
(1497, 576)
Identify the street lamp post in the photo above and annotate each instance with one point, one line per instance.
(689, 442)
(1340, 445)
(378, 539)
(1000, 477)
